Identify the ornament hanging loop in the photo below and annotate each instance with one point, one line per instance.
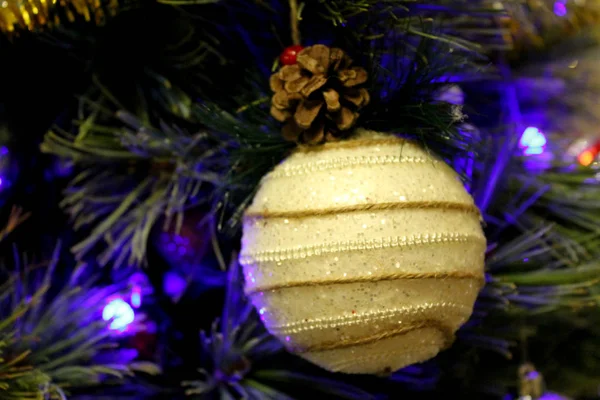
(294, 18)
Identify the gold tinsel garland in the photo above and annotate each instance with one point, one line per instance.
(36, 15)
(537, 24)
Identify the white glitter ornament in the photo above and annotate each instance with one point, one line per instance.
(363, 256)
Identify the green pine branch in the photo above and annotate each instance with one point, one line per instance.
(155, 168)
(51, 333)
(132, 176)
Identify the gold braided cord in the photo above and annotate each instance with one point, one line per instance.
(403, 330)
(414, 205)
(461, 275)
(36, 15)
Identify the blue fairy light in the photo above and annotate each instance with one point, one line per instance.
(120, 312)
(533, 141)
(138, 282)
(136, 296)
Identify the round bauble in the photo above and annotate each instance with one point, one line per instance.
(363, 256)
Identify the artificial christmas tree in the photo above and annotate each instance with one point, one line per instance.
(169, 114)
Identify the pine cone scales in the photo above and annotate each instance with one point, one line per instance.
(318, 98)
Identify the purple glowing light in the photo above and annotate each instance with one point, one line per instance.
(560, 8)
(533, 375)
(533, 141)
(174, 285)
(136, 296)
(138, 282)
(552, 396)
(120, 313)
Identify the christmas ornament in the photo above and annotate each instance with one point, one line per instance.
(290, 54)
(363, 256)
(320, 96)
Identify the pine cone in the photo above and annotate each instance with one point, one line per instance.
(318, 98)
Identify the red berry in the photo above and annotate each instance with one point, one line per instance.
(288, 57)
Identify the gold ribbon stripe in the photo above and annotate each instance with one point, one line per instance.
(403, 330)
(298, 252)
(373, 316)
(423, 205)
(478, 276)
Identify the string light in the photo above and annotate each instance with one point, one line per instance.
(138, 283)
(589, 155)
(120, 313)
(174, 285)
(533, 141)
(136, 296)
(586, 158)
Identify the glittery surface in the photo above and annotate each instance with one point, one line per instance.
(34, 15)
(381, 285)
(334, 177)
